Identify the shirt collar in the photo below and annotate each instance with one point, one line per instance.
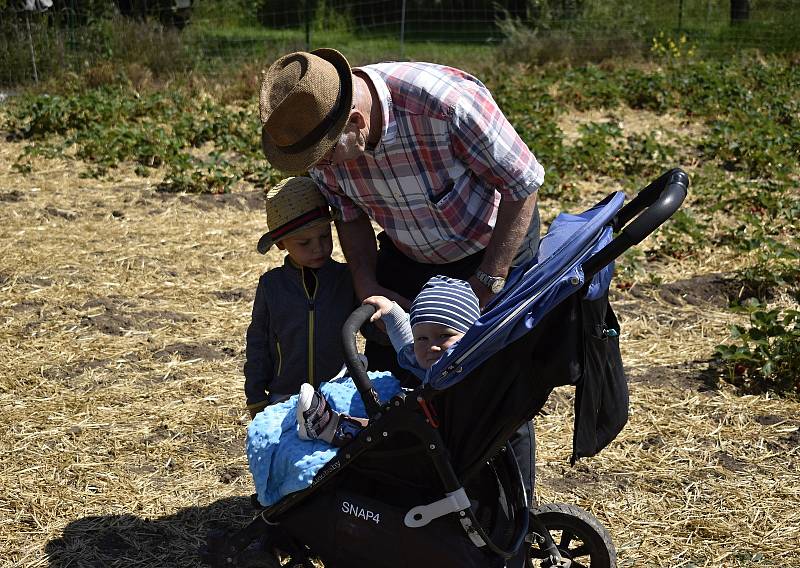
(289, 262)
(389, 126)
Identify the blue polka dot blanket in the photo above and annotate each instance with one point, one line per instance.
(280, 461)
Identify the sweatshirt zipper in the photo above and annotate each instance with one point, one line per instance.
(280, 357)
(311, 298)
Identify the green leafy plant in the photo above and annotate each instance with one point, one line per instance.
(628, 268)
(682, 234)
(205, 146)
(644, 156)
(768, 149)
(648, 90)
(597, 148)
(590, 87)
(765, 357)
(777, 266)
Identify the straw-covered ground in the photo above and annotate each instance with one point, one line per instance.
(122, 332)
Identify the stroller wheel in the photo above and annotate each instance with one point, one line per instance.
(579, 537)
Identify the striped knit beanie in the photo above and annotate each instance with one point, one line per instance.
(446, 301)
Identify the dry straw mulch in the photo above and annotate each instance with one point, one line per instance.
(122, 332)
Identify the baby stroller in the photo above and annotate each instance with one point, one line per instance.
(432, 480)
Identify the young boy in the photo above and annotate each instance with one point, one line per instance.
(300, 307)
(440, 316)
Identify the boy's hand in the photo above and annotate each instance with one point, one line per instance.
(256, 408)
(382, 304)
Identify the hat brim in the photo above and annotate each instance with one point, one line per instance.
(266, 241)
(300, 162)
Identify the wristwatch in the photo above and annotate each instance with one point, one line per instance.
(493, 283)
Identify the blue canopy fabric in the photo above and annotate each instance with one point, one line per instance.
(533, 290)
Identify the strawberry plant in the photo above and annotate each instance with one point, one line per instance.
(764, 357)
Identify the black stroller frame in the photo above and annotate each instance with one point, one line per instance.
(413, 414)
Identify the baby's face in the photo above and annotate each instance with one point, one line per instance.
(431, 340)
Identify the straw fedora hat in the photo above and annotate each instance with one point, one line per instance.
(304, 104)
(294, 205)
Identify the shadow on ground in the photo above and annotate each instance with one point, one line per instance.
(127, 540)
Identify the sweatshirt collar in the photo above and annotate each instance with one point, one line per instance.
(289, 262)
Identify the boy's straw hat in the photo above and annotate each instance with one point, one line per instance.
(294, 205)
(304, 104)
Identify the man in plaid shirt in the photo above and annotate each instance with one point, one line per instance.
(420, 149)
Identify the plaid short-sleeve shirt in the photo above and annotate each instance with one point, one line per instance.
(446, 156)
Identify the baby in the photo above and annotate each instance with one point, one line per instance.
(440, 316)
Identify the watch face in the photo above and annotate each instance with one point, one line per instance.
(493, 283)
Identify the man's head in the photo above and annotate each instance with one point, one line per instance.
(440, 315)
(305, 105)
(298, 221)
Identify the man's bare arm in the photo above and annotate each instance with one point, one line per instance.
(360, 248)
(511, 226)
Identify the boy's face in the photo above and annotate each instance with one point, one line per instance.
(310, 248)
(431, 340)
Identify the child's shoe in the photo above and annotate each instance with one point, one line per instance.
(316, 420)
(314, 415)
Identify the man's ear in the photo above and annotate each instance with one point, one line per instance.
(357, 118)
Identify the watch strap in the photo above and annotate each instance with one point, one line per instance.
(493, 283)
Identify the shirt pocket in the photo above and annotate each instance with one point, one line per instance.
(452, 207)
(440, 197)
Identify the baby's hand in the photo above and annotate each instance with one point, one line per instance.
(383, 305)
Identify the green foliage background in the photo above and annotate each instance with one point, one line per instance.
(75, 34)
(184, 112)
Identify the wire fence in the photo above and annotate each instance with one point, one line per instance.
(41, 38)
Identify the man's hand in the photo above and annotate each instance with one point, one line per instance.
(360, 249)
(513, 219)
(480, 289)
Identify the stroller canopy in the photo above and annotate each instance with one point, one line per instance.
(534, 289)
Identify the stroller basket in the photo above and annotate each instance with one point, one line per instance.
(509, 361)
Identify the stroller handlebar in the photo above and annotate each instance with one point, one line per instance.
(359, 317)
(644, 214)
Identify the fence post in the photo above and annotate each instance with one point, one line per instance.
(680, 15)
(403, 30)
(740, 11)
(308, 24)
(30, 43)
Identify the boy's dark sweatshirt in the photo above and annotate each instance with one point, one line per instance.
(295, 332)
